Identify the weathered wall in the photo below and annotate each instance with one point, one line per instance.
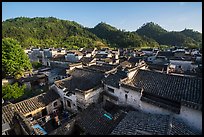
(191, 116)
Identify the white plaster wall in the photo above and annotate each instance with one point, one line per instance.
(78, 66)
(58, 90)
(191, 116)
(149, 108)
(93, 96)
(88, 55)
(134, 100)
(51, 107)
(72, 100)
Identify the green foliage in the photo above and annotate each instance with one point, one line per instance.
(51, 32)
(121, 39)
(13, 91)
(14, 59)
(48, 32)
(151, 30)
(185, 38)
(36, 65)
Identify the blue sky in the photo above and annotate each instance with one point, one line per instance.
(123, 15)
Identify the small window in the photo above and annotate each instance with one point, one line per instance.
(55, 104)
(126, 96)
(111, 90)
(79, 108)
(68, 103)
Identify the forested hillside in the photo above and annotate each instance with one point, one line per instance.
(121, 38)
(53, 32)
(186, 38)
(49, 32)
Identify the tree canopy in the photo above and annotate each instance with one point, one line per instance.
(185, 38)
(120, 38)
(14, 60)
(13, 91)
(52, 32)
(49, 32)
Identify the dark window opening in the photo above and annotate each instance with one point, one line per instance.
(126, 96)
(79, 108)
(68, 103)
(55, 104)
(44, 112)
(111, 90)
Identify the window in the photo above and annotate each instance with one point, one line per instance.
(68, 103)
(79, 108)
(55, 104)
(111, 90)
(126, 91)
(126, 96)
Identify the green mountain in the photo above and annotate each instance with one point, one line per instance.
(121, 38)
(185, 38)
(49, 32)
(151, 30)
(53, 32)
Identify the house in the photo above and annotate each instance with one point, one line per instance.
(79, 90)
(34, 81)
(179, 53)
(160, 63)
(156, 92)
(116, 53)
(73, 56)
(35, 55)
(36, 107)
(167, 54)
(148, 51)
(89, 52)
(53, 74)
(104, 68)
(74, 65)
(58, 61)
(135, 61)
(183, 66)
(88, 61)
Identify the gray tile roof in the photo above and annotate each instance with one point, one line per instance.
(86, 60)
(180, 128)
(114, 79)
(140, 123)
(28, 105)
(83, 79)
(93, 121)
(143, 123)
(102, 68)
(170, 87)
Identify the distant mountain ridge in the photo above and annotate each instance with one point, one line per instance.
(53, 32)
(187, 37)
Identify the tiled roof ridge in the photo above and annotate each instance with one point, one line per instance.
(142, 70)
(87, 70)
(31, 98)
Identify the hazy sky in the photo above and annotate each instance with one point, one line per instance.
(123, 15)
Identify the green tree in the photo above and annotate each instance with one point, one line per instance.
(36, 65)
(14, 59)
(13, 91)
